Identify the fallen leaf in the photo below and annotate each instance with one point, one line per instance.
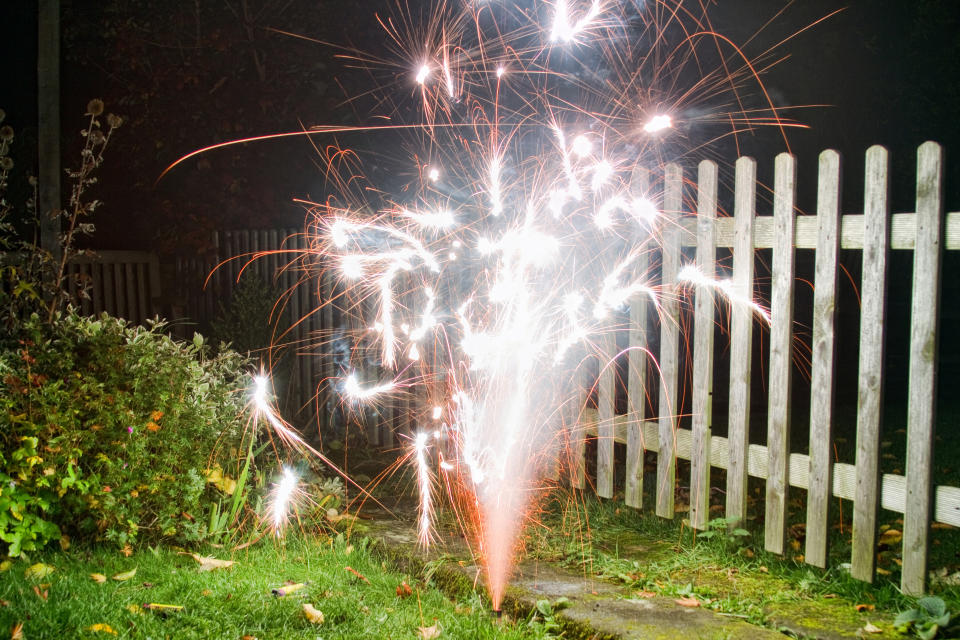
(764, 570)
(357, 574)
(98, 577)
(427, 633)
(127, 551)
(16, 631)
(126, 575)
(871, 628)
(41, 594)
(882, 572)
(248, 638)
(65, 542)
(206, 592)
(795, 545)
(687, 602)
(101, 628)
(313, 615)
(681, 507)
(863, 607)
(890, 536)
(208, 563)
(404, 590)
(645, 594)
(135, 609)
(5, 565)
(38, 571)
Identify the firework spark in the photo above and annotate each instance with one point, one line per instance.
(529, 230)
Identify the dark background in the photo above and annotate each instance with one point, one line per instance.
(190, 74)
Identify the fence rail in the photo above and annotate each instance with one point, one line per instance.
(874, 232)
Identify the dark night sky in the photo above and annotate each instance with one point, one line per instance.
(884, 71)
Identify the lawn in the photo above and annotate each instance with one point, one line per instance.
(358, 594)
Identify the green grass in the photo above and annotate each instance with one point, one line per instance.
(732, 575)
(237, 601)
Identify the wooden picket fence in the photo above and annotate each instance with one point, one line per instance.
(314, 318)
(874, 232)
(125, 284)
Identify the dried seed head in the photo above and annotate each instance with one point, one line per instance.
(6, 133)
(95, 107)
(97, 137)
(113, 120)
(6, 163)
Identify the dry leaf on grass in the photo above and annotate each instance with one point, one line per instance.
(98, 577)
(38, 571)
(863, 607)
(427, 633)
(16, 631)
(871, 628)
(101, 628)
(42, 594)
(404, 590)
(126, 575)
(357, 574)
(687, 602)
(313, 614)
(645, 594)
(208, 563)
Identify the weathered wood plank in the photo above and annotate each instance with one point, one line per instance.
(326, 340)
(577, 439)
(606, 397)
(741, 338)
(669, 341)
(703, 330)
(922, 402)
(894, 487)
(822, 358)
(637, 361)
(870, 396)
(781, 354)
(902, 232)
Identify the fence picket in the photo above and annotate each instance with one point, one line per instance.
(822, 358)
(637, 365)
(781, 354)
(741, 339)
(876, 236)
(669, 341)
(703, 347)
(922, 404)
(606, 397)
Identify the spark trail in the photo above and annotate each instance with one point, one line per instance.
(491, 274)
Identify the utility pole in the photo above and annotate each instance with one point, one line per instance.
(48, 136)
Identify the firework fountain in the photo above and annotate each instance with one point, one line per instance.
(520, 236)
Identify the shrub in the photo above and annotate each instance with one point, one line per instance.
(106, 430)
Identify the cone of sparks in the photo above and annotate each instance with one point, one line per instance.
(519, 240)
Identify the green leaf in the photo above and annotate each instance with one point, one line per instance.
(906, 618)
(933, 606)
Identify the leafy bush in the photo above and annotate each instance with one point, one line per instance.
(107, 430)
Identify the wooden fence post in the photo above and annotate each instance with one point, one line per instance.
(741, 339)
(637, 365)
(876, 236)
(606, 397)
(669, 341)
(703, 347)
(822, 358)
(781, 353)
(922, 403)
